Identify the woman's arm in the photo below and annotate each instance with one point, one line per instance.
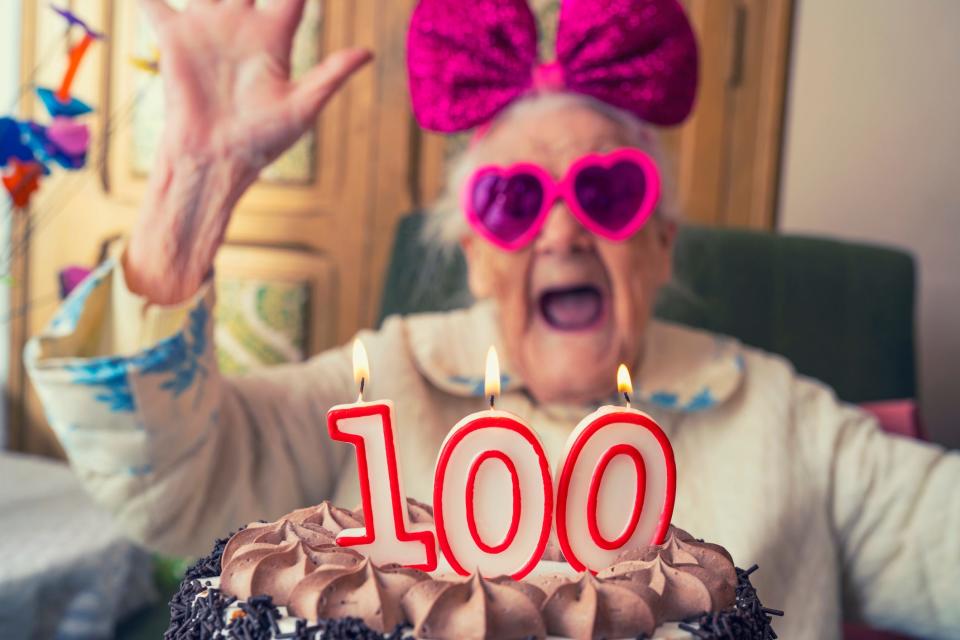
(895, 506)
(179, 453)
(231, 108)
(127, 371)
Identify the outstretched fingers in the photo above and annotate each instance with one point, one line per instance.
(289, 12)
(315, 88)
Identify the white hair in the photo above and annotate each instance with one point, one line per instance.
(446, 225)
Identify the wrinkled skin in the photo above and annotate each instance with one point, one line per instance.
(231, 108)
(562, 365)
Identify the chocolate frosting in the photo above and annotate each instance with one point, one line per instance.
(276, 559)
(297, 562)
(586, 608)
(325, 515)
(476, 608)
(362, 591)
(690, 577)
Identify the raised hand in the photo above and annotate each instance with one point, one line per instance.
(231, 108)
(226, 71)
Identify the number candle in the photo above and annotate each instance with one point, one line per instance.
(615, 456)
(387, 535)
(492, 491)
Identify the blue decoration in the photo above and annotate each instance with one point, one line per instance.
(703, 400)
(177, 356)
(476, 383)
(11, 143)
(664, 399)
(55, 107)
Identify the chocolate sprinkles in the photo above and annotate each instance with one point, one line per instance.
(748, 619)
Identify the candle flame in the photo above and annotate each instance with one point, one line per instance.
(491, 383)
(624, 384)
(361, 366)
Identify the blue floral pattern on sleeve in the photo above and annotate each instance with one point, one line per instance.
(177, 357)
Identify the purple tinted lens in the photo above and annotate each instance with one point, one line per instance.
(507, 206)
(611, 196)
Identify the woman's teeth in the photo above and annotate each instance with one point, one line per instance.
(572, 308)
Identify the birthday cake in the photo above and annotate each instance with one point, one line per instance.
(289, 579)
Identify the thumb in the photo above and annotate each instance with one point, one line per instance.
(313, 90)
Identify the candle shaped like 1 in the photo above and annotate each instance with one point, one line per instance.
(492, 491)
(615, 456)
(387, 536)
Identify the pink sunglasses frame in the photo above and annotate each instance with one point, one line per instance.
(556, 189)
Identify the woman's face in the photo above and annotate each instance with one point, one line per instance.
(572, 305)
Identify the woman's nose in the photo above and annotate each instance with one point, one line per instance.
(562, 232)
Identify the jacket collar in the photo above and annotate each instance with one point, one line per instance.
(683, 369)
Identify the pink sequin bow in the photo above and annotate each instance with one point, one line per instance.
(467, 60)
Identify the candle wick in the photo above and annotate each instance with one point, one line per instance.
(363, 382)
(626, 397)
(492, 400)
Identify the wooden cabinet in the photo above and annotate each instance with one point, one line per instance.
(366, 165)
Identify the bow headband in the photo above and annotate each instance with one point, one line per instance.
(467, 60)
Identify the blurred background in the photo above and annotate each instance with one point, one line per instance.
(816, 117)
(818, 180)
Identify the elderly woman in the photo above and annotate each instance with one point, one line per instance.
(772, 465)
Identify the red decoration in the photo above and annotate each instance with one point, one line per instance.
(23, 181)
(515, 504)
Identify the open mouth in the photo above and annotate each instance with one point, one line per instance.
(572, 308)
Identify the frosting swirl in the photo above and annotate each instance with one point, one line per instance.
(586, 608)
(273, 557)
(362, 591)
(276, 568)
(690, 577)
(476, 608)
(327, 516)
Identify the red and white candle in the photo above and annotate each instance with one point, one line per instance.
(616, 484)
(492, 493)
(388, 536)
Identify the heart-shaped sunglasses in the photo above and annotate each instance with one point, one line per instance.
(611, 194)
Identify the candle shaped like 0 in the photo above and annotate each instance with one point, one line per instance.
(387, 535)
(489, 457)
(612, 449)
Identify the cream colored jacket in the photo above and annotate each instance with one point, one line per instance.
(770, 464)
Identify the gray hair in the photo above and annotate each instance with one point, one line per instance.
(446, 225)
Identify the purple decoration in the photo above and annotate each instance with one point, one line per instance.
(468, 60)
(56, 107)
(11, 143)
(70, 277)
(46, 151)
(74, 21)
(72, 138)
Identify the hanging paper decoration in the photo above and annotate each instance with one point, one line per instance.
(69, 277)
(23, 181)
(27, 149)
(149, 65)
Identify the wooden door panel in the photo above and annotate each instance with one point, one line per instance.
(334, 231)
